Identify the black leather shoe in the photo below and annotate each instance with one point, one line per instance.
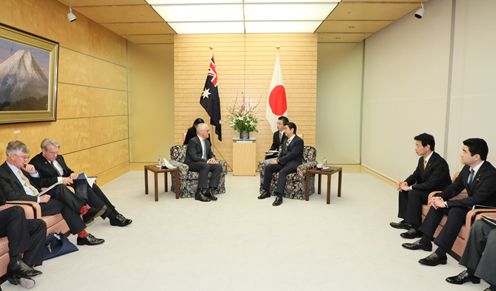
(200, 197)
(21, 269)
(210, 194)
(400, 225)
(462, 278)
(119, 220)
(433, 260)
(264, 195)
(418, 246)
(411, 233)
(89, 240)
(277, 202)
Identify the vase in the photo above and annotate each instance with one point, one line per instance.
(244, 135)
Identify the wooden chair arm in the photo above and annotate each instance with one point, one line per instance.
(31, 208)
(475, 214)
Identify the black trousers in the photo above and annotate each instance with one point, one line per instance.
(24, 235)
(283, 175)
(410, 206)
(65, 202)
(95, 198)
(203, 168)
(480, 253)
(445, 239)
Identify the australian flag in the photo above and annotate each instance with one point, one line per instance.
(210, 100)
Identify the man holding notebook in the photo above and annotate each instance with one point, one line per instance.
(52, 169)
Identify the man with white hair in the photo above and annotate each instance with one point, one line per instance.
(201, 159)
(52, 169)
(20, 181)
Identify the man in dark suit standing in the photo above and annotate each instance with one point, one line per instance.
(20, 181)
(479, 256)
(201, 159)
(431, 174)
(52, 169)
(288, 161)
(26, 243)
(478, 176)
(279, 138)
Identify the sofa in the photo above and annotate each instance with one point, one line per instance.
(188, 181)
(295, 184)
(55, 224)
(472, 215)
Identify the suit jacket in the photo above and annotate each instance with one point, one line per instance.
(435, 177)
(276, 143)
(10, 186)
(482, 191)
(47, 171)
(293, 153)
(194, 151)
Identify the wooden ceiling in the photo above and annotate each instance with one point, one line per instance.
(351, 20)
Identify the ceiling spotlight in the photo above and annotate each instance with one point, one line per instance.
(420, 12)
(71, 16)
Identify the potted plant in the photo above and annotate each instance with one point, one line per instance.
(243, 119)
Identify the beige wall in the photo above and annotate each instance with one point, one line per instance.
(246, 61)
(151, 102)
(405, 89)
(92, 109)
(339, 95)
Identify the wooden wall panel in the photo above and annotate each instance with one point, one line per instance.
(245, 64)
(92, 115)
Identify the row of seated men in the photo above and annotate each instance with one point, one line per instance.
(73, 197)
(432, 174)
(286, 156)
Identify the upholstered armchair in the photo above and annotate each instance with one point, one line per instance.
(295, 184)
(189, 180)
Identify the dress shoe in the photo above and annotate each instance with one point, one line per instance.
(462, 278)
(200, 197)
(89, 240)
(277, 202)
(433, 260)
(119, 220)
(21, 269)
(418, 246)
(210, 194)
(25, 282)
(401, 225)
(411, 233)
(264, 195)
(93, 213)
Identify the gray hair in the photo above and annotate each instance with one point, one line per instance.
(49, 142)
(15, 147)
(201, 126)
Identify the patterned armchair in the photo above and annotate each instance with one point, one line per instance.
(189, 180)
(295, 184)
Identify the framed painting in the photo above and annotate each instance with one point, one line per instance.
(28, 77)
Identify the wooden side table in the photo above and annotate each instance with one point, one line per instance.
(319, 173)
(156, 170)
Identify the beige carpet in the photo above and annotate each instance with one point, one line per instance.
(241, 243)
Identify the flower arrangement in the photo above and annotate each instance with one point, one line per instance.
(243, 118)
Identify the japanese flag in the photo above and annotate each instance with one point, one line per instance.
(276, 100)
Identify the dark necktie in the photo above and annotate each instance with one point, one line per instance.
(471, 177)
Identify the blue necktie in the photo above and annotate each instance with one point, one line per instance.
(471, 177)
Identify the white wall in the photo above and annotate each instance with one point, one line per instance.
(339, 90)
(405, 89)
(473, 94)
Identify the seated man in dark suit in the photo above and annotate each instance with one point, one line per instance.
(478, 176)
(52, 169)
(479, 256)
(201, 159)
(26, 244)
(431, 174)
(20, 181)
(288, 161)
(279, 138)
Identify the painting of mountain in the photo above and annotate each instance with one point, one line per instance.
(23, 84)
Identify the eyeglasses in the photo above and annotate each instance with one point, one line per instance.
(24, 157)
